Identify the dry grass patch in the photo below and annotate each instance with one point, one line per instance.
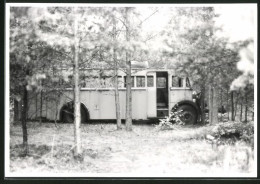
(145, 150)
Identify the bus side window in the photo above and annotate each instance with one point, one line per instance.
(177, 81)
(150, 81)
(107, 82)
(120, 81)
(82, 81)
(140, 81)
(180, 82)
(187, 82)
(103, 82)
(132, 79)
(69, 82)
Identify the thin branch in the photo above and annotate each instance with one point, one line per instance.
(121, 21)
(149, 16)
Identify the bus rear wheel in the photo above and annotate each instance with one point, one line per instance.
(67, 113)
(188, 114)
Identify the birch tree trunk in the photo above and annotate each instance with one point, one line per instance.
(56, 110)
(118, 117)
(202, 104)
(227, 105)
(246, 104)
(221, 105)
(210, 104)
(232, 106)
(24, 121)
(77, 120)
(36, 105)
(237, 97)
(16, 110)
(41, 103)
(128, 77)
(252, 115)
(213, 105)
(241, 109)
(46, 107)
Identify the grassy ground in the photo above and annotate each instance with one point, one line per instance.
(146, 150)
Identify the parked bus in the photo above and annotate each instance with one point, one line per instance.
(155, 93)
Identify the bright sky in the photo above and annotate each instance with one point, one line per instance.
(238, 21)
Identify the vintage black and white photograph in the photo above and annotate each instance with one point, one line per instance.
(130, 90)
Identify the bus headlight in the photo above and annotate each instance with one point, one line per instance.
(194, 95)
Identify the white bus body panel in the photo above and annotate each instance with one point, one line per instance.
(151, 97)
(100, 104)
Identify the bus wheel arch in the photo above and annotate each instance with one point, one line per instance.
(67, 116)
(190, 112)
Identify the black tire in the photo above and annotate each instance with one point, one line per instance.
(188, 114)
(68, 116)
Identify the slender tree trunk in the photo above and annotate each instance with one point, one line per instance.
(36, 106)
(16, 110)
(221, 105)
(210, 104)
(246, 104)
(118, 116)
(24, 121)
(232, 106)
(241, 109)
(128, 77)
(46, 107)
(237, 97)
(77, 118)
(213, 106)
(56, 112)
(41, 105)
(202, 104)
(227, 105)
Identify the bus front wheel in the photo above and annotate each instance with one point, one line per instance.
(188, 114)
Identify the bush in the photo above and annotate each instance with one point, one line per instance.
(169, 123)
(234, 131)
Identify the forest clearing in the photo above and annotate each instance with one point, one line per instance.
(146, 150)
(182, 66)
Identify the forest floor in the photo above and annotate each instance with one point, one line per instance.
(146, 151)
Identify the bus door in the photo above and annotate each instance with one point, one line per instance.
(162, 94)
(151, 94)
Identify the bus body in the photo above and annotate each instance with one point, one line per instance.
(154, 94)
